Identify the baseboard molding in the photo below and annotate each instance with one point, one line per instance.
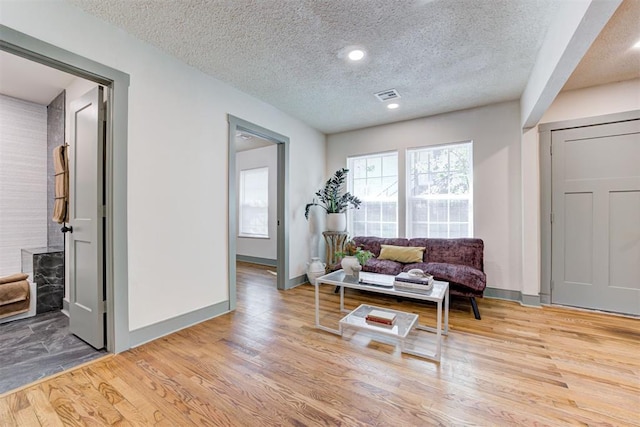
(545, 298)
(297, 281)
(510, 295)
(531, 300)
(151, 332)
(257, 260)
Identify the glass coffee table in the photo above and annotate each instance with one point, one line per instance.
(407, 323)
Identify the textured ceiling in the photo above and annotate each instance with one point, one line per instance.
(611, 57)
(441, 55)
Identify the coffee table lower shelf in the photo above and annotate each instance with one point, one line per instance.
(403, 331)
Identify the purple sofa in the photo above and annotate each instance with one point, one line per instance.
(457, 261)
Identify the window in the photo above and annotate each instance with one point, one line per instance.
(374, 180)
(254, 203)
(440, 191)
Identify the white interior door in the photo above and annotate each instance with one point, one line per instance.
(596, 217)
(86, 280)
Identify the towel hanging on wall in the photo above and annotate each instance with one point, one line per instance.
(61, 176)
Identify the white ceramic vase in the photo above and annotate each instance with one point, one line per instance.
(351, 266)
(336, 221)
(315, 269)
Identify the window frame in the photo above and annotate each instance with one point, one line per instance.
(350, 187)
(409, 198)
(241, 193)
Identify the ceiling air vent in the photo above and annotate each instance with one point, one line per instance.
(387, 95)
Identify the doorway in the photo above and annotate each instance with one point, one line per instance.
(115, 165)
(594, 230)
(238, 126)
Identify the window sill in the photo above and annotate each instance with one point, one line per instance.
(250, 236)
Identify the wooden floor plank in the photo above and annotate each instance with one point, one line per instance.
(46, 414)
(266, 364)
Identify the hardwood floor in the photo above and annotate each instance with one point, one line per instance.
(266, 364)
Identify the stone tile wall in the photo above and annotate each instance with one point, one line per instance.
(55, 137)
(46, 267)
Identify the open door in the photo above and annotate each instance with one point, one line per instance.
(86, 212)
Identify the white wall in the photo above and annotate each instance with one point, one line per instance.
(23, 180)
(594, 101)
(577, 24)
(575, 104)
(495, 131)
(252, 159)
(177, 162)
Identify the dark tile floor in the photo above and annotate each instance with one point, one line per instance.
(37, 347)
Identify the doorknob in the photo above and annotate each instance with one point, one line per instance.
(64, 229)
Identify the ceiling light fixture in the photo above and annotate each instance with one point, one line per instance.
(637, 45)
(356, 55)
(393, 106)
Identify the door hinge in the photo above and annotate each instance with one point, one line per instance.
(552, 285)
(552, 217)
(103, 211)
(104, 306)
(551, 150)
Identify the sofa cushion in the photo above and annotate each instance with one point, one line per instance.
(460, 274)
(383, 266)
(373, 243)
(466, 251)
(402, 254)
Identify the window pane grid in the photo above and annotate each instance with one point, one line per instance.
(439, 201)
(374, 180)
(254, 203)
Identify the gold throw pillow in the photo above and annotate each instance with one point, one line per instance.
(404, 254)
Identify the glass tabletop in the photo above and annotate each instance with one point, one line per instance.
(402, 325)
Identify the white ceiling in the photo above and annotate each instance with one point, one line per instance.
(611, 57)
(30, 81)
(247, 141)
(440, 55)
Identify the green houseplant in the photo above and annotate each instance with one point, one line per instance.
(353, 258)
(332, 198)
(350, 249)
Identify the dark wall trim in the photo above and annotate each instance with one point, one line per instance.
(117, 84)
(257, 260)
(282, 141)
(169, 326)
(297, 281)
(509, 295)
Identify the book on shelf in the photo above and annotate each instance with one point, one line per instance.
(379, 316)
(426, 280)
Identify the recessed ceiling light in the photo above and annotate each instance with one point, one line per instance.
(356, 55)
(637, 45)
(392, 106)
